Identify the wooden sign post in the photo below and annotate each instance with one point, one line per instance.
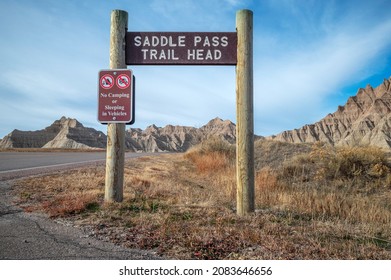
(115, 154)
(245, 201)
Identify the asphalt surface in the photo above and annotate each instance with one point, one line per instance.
(20, 164)
(21, 160)
(29, 236)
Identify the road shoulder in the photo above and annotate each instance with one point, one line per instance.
(34, 236)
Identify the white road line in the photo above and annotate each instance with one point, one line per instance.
(54, 165)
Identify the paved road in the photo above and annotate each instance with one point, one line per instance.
(21, 160)
(16, 164)
(33, 236)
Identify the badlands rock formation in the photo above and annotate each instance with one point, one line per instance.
(365, 119)
(177, 138)
(29, 139)
(71, 134)
(63, 133)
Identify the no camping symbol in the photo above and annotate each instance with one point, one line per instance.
(107, 81)
(123, 81)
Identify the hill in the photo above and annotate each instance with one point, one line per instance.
(365, 120)
(178, 138)
(63, 133)
(71, 134)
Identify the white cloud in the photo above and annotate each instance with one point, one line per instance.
(288, 84)
(304, 53)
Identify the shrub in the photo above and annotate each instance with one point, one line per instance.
(350, 162)
(212, 155)
(217, 145)
(370, 161)
(343, 162)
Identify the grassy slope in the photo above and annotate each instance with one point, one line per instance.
(313, 202)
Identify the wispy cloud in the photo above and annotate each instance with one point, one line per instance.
(305, 53)
(302, 74)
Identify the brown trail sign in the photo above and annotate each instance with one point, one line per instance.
(184, 48)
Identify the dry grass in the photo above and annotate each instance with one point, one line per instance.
(212, 155)
(324, 203)
(63, 194)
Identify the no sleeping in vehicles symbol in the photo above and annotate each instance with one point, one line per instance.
(123, 81)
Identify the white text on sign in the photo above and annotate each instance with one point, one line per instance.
(181, 48)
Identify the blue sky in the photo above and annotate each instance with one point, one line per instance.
(309, 57)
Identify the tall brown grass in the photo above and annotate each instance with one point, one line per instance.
(349, 184)
(314, 202)
(212, 155)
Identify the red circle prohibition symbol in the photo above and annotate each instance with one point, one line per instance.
(123, 81)
(107, 81)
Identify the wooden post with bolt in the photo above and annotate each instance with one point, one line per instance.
(244, 114)
(115, 153)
